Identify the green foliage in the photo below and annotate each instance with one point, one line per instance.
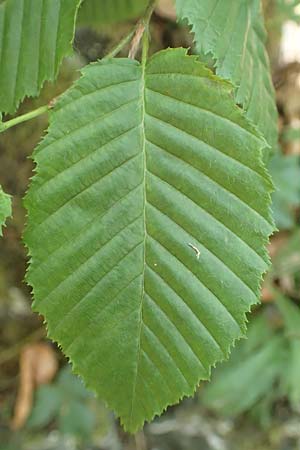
(261, 358)
(285, 172)
(286, 10)
(148, 220)
(270, 355)
(233, 32)
(291, 134)
(277, 13)
(5, 208)
(66, 403)
(34, 37)
(287, 261)
(291, 315)
(102, 12)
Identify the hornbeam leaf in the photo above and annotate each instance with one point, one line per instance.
(100, 12)
(5, 208)
(233, 32)
(34, 37)
(148, 220)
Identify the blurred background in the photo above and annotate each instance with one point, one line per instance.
(253, 401)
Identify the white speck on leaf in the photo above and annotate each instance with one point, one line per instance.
(196, 250)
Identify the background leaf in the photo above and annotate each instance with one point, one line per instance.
(5, 208)
(64, 401)
(260, 358)
(102, 12)
(291, 315)
(285, 172)
(290, 134)
(233, 32)
(46, 407)
(287, 260)
(34, 37)
(148, 220)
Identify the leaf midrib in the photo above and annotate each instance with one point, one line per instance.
(140, 325)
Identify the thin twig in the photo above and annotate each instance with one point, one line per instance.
(24, 117)
(140, 441)
(135, 43)
(126, 39)
(140, 30)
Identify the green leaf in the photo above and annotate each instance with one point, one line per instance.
(46, 407)
(290, 134)
(278, 12)
(282, 11)
(233, 32)
(77, 419)
(291, 316)
(232, 390)
(285, 171)
(71, 386)
(103, 12)
(64, 401)
(148, 220)
(34, 37)
(5, 208)
(286, 262)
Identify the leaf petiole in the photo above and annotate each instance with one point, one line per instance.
(24, 117)
(141, 29)
(135, 34)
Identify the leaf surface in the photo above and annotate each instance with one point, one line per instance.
(5, 208)
(34, 37)
(233, 32)
(148, 219)
(103, 12)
